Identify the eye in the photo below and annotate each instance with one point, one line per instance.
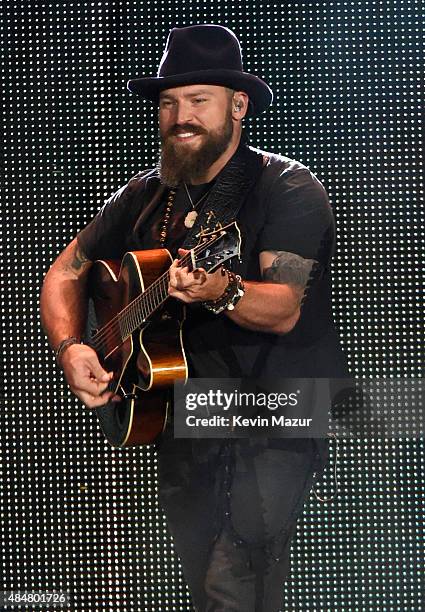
(165, 103)
(199, 100)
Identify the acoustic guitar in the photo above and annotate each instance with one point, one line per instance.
(135, 327)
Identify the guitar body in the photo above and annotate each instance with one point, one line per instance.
(136, 330)
(148, 362)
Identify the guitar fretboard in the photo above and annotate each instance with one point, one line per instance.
(113, 334)
(140, 309)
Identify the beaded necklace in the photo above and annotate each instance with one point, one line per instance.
(167, 214)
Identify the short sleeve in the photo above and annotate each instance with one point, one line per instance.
(298, 216)
(106, 234)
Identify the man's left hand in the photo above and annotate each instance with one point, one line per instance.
(196, 286)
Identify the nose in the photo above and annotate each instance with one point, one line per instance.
(184, 113)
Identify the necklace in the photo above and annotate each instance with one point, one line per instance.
(190, 218)
(166, 218)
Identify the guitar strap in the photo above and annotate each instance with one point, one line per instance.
(233, 185)
(228, 194)
(226, 198)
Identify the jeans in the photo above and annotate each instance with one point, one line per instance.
(231, 507)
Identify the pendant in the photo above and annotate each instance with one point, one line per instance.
(190, 218)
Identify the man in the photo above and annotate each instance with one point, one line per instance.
(231, 505)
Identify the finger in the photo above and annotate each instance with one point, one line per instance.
(200, 275)
(177, 266)
(179, 295)
(90, 401)
(85, 380)
(89, 387)
(174, 271)
(82, 379)
(181, 278)
(183, 256)
(98, 372)
(173, 283)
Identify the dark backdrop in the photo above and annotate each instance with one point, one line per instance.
(78, 515)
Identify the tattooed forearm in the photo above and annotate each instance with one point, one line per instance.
(288, 268)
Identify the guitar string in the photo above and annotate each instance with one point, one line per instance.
(113, 327)
(150, 296)
(146, 295)
(116, 330)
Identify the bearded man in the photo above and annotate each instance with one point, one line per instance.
(232, 504)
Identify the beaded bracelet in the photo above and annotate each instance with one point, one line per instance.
(229, 298)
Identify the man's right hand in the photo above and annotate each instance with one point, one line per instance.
(86, 377)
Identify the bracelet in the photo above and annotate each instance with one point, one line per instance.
(238, 294)
(229, 298)
(221, 298)
(64, 345)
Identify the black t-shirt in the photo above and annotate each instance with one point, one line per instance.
(288, 210)
(149, 236)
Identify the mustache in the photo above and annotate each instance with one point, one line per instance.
(185, 127)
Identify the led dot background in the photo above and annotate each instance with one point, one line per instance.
(78, 515)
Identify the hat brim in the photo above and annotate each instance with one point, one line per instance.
(259, 93)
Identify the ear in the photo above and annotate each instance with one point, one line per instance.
(239, 105)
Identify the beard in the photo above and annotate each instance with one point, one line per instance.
(180, 163)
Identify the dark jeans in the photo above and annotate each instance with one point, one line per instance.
(231, 507)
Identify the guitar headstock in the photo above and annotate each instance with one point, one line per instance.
(216, 247)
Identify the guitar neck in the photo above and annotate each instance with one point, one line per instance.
(143, 306)
(214, 249)
(135, 314)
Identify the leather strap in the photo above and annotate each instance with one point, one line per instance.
(231, 188)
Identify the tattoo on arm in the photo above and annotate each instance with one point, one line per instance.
(79, 259)
(72, 260)
(289, 268)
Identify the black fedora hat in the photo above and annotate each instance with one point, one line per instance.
(203, 54)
